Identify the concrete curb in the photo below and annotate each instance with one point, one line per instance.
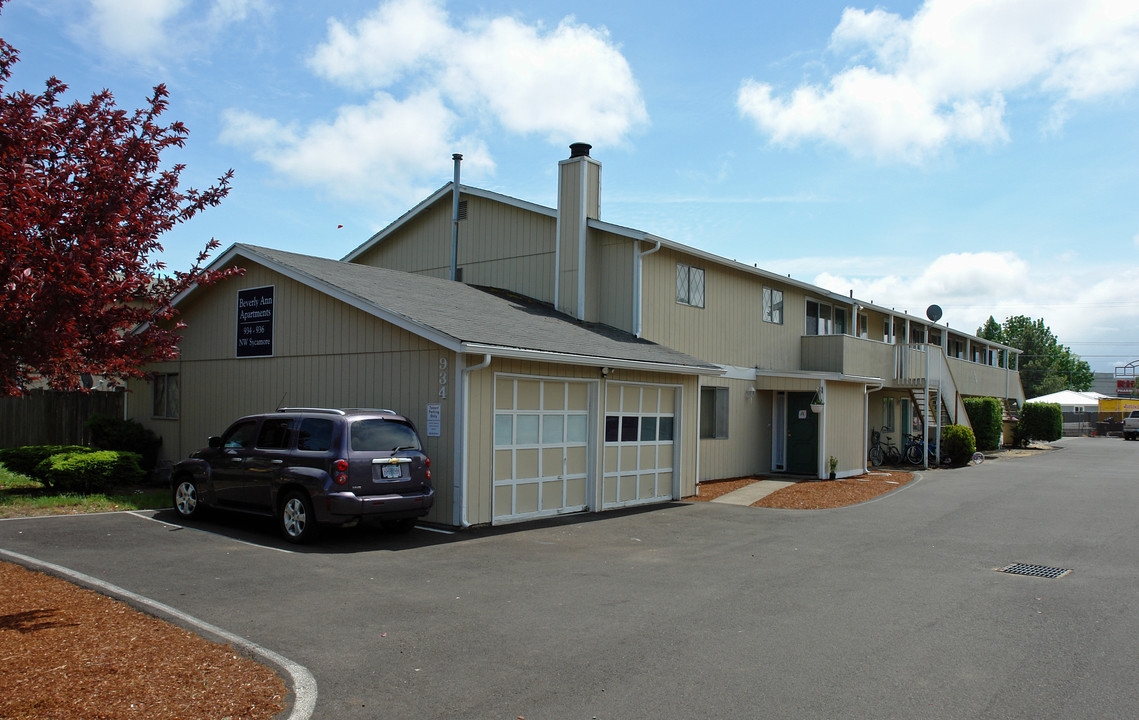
(301, 681)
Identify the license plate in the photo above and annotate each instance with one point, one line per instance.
(391, 471)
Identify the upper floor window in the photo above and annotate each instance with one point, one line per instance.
(689, 285)
(863, 326)
(819, 318)
(773, 305)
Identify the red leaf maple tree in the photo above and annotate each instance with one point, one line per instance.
(84, 198)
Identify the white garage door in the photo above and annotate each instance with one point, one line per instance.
(640, 426)
(541, 448)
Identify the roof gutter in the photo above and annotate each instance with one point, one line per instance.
(591, 360)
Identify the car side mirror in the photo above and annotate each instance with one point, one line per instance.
(214, 442)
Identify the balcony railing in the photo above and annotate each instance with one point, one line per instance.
(903, 365)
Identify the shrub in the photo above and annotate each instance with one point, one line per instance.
(111, 433)
(958, 443)
(91, 472)
(26, 459)
(985, 415)
(1039, 421)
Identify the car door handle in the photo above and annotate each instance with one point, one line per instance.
(276, 462)
(237, 460)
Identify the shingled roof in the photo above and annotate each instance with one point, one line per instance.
(471, 319)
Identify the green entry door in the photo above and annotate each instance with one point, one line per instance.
(802, 435)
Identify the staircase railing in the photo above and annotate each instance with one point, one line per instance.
(920, 365)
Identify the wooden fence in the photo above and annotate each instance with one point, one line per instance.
(47, 417)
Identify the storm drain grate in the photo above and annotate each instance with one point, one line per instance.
(1035, 570)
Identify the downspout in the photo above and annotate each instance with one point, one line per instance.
(822, 434)
(460, 481)
(455, 220)
(637, 271)
(866, 421)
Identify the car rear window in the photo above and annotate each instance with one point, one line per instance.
(315, 434)
(377, 435)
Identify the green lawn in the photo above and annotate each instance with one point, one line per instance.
(20, 496)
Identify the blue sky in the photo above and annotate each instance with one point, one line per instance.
(983, 156)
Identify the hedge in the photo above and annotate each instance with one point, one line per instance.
(958, 444)
(985, 415)
(112, 433)
(25, 460)
(1039, 421)
(91, 472)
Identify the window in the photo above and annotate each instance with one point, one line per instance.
(689, 285)
(839, 321)
(315, 435)
(713, 412)
(274, 434)
(899, 330)
(240, 435)
(384, 436)
(167, 396)
(773, 305)
(863, 326)
(819, 318)
(888, 414)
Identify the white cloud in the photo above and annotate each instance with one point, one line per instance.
(148, 31)
(396, 38)
(134, 28)
(914, 86)
(386, 147)
(428, 76)
(1093, 311)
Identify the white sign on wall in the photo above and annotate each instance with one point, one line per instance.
(434, 419)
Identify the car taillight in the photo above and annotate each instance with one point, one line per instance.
(341, 467)
(427, 462)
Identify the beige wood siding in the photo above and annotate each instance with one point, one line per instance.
(327, 354)
(848, 355)
(500, 246)
(481, 407)
(976, 380)
(422, 245)
(610, 280)
(747, 449)
(845, 435)
(569, 230)
(729, 329)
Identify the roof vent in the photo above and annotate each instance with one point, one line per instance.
(580, 150)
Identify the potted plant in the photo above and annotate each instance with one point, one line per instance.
(833, 463)
(817, 402)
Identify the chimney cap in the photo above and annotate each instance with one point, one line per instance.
(580, 149)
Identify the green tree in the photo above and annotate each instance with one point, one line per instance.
(1045, 365)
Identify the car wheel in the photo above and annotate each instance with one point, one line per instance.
(297, 520)
(187, 499)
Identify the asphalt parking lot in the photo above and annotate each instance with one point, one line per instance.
(890, 609)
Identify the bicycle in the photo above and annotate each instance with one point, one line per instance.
(881, 451)
(916, 449)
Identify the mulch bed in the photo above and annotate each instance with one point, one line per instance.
(810, 495)
(72, 654)
(835, 493)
